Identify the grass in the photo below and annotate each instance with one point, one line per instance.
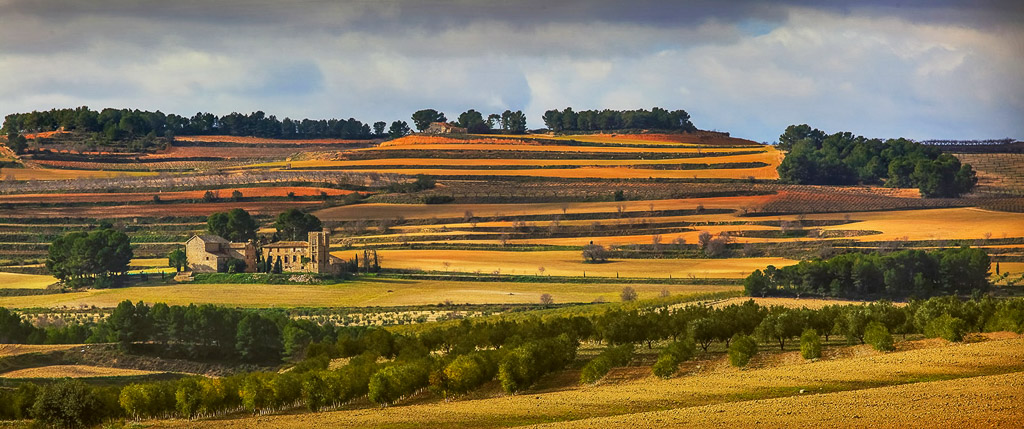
(382, 292)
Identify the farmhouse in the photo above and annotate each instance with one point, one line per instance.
(210, 254)
(444, 128)
(310, 256)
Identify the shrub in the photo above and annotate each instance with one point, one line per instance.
(628, 294)
(608, 359)
(468, 372)
(672, 355)
(665, 367)
(394, 382)
(810, 344)
(946, 327)
(438, 199)
(595, 369)
(878, 336)
(741, 349)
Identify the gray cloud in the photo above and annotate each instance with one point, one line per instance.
(919, 68)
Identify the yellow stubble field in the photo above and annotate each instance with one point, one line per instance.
(74, 371)
(569, 263)
(371, 292)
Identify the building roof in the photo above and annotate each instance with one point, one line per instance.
(210, 239)
(286, 244)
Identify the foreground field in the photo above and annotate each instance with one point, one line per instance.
(373, 292)
(987, 401)
(628, 395)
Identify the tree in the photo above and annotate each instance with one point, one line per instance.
(296, 225)
(473, 122)
(513, 122)
(236, 195)
(378, 128)
(177, 259)
(546, 299)
(423, 118)
(17, 142)
(258, 339)
(628, 294)
(398, 129)
(594, 253)
(235, 265)
(234, 225)
(89, 256)
(67, 403)
(780, 324)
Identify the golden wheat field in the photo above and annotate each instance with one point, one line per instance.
(74, 371)
(811, 303)
(427, 211)
(371, 292)
(869, 380)
(568, 263)
(768, 157)
(7, 350)
(533, 147)
(61, 174)
(767, 172)
(25, 281)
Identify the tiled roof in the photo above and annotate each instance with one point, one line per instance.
(287, 244)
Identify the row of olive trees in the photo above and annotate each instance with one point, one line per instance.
(453, 359)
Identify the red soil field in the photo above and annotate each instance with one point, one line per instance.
(259, 140)
(155, 210)
(168, 196)
(700, 137)
(415, 139)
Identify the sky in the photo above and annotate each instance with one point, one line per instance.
(925, 69)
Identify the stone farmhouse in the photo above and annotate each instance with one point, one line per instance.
(444, 128)
(210, 254)
(310, 256)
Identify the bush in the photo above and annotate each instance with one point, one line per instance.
(595, 369)
(397, 381)
(468, 372)
(438, 199)
(878, 336)
(672, 355)
(741, 349)
(608, 359)
(665, 367)
(946, 327)
(810, 344)
(628, 294)
(523, 366)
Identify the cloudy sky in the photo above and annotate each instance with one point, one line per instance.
(919, 69)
